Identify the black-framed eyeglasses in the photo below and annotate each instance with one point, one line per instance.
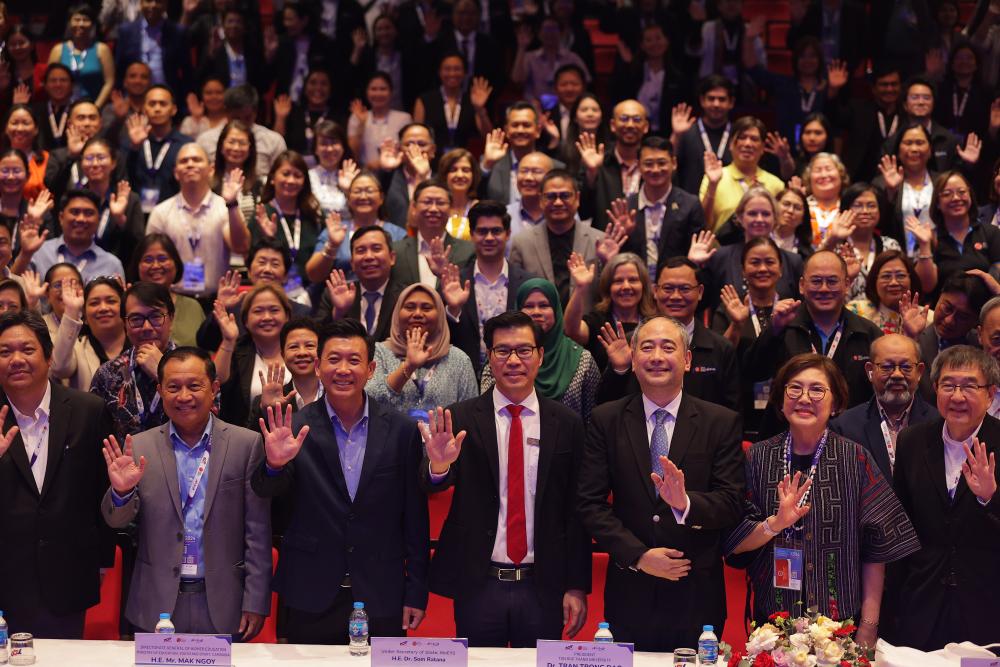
(523, 352)
(888, 368)
(553, 196)
(815, 393)
(137, 321)
(948, 389)
(483, 232)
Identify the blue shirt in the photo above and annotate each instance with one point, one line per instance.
(350, 446)
(187, 459)
(151, 38)
(343, 261)
(92, 262)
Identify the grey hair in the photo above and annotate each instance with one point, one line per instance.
(988, 308)
(845, 178)
(685, 336)
(966, 356)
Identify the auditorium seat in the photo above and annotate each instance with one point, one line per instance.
(269, 633)
(595, 601)
(438, 505)
(735, 632)
(439, 621)
(102, 619)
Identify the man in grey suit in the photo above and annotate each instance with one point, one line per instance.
(204, 535)
(421, 258)
(544, 250)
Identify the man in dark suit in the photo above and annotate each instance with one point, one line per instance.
(404, 171)
(711, 132)
(522, 129)
(479, 49)
(674, 467)
(359, 528)
(618, 175)
(918, 107)
(895, 370)
(373, 298)
(236, 61)
(867, 122)
(665, 217)
(52, 477)
(421, 258)
(160, 43)
(513, 553)
(946, 479)
(301, 32)
(483, 288)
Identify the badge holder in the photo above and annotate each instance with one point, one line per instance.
(149, 198)
(189, 559)
(194, 276)
(788, 562)
(761, 394)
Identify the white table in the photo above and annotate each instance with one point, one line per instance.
(64, 653)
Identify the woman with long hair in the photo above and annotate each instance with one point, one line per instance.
(237, 149)
(372, 123)
(91, 331)
(206, 110)
(459, 170)
(121, 221)
(586, 117)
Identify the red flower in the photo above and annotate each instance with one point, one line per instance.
(844, 663)
(778, 614)
(863, 660)
(734, 659)
(845, 631)
(763, 660)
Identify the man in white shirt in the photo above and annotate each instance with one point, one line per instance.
(204, 226)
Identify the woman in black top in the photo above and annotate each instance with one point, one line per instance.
(297, 122)
(455, 116)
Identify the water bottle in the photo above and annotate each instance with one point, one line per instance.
(4, 656)
(357, 630)
(708, 646)
(165, 626)
(603, 634)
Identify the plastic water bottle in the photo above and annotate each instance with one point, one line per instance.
(708, 646)
(165, 626)
(603, 634)
(357, 630)
(4, 656)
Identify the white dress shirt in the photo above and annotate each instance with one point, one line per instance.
(654, 211)
(531, 427)
(954, 457)
(34, 429)
(649, 407)
(427, 276)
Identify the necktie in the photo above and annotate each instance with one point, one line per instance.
(654, 225)
(659, 446)
(517, 535)
(371, 298)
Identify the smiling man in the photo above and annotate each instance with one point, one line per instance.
(674, 467)
(154, 146)
(431, 204)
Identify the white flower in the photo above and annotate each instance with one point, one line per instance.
(802, 659)
(763, 639)
(817, 631)
(800, 641)
(830, 654)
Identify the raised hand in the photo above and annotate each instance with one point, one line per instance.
(348, 171)
(549, 125)
(611, 243)
(737, 309)
(21, 94)
(891, 172)
(268, 225)
(282, 106)
(922, 231)
(495, 148)
(272, 387)
(616, 345)
(119, 202)
(232, 184)
(972, 149)
(147, 357)
(31, 240)
(342, 293)
(524, 35)
(6, 438)
(681, 118)
(74, 140)
(713, 167)
(790, 495)
(418, 161)
(479, 92)
(195, 108)
(454, 292)
(417, 352)
(270, 43)
(702, 247)
(591, 153)
(841, 228)
(991, 283)
(670, 486)
(40, 205)
(443, 447)
(980, 470)
(34, 288)
(72, 297)
(359, 38)
(138, 128)
(123, 471)
(836, 75)
(783, 314)
(359, 111)
(795, 183)
(620, 215)
(777, 145)
(336, 231)
(226, 321)
(580, 272)
(280, 444)
(228, 293)
(851, 259)
(912, 314)
(389, 155)
(438, 258)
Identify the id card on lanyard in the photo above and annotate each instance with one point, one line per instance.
(832, 349)
(720, 151)
(191, 556)
(150, 196)
(293, 283)
(789, 555)
(193, 279)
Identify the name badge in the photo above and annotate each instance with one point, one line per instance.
(293, 283)
(181, 649)
(149, 198)
(788, 568)
(552, 653)
(532, 442)
(194, 275)
(419, 415)
(190, 557)
(395, 651)
(761, 394)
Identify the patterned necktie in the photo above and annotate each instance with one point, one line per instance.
(517, 534)
(654, 229)
(660, 446)
(371, 298)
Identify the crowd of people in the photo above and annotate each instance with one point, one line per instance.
(279, 279)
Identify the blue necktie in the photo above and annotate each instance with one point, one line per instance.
(370, 311)
(659, 446)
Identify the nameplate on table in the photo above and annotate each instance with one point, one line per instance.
(181, 649)
(552, 653)
(396, 651)
(980, 662)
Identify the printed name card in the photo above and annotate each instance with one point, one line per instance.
(180, 649)
(583, 654)
(397, 651)
(980, 662)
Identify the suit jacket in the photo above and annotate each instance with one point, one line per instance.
(488, 61)
(397, 198)
(682, 218)
(57, 533)
(176, 54)
(562, 547)
(930, 347)
(496, 186)
(595, 201)
(234, 397)
(858, 119)
(863, 425)
(383, 324)
(465, 334)
(217, 65)
(853, 38)
(706, 446)
(960, 540)
(236, 533)
(407, 269)
(380, 538)
(530, 250)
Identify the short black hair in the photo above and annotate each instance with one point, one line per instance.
(51, 67)
(559, 173)
(883, 67)
(160, 86)
(489, 208)
(79, 193)
(79, 102)
(512, 319)
(143, 246)
(654, 142)
(367, 229)
(299, 323)
(149, 294)
(677, 262)
(406, 128)
(347, 327)
(183, 353)
(521, 105)
(433, 182)
(34, 322)
(570, 68)
(269, 243)
(241, 97)
(918, 80)
(713, 81)
(971, 286)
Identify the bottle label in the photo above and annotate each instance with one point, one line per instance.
(708, 650)
(603, 640)
(358, 629)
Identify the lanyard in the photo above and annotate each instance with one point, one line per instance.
(199, 473)
(958, 109)
(812, 468)
(103, 224)
(147, 150)
(832, 350)
(708, 144)
(755, 320)
(79, 266)
(75, 178)
(37, 445)
(60, 127)
(74, 64)
(887, 432)
(806, 102)
(881, 124)
(139, 403)
(294, 240)
(194, 233)
(730, 42)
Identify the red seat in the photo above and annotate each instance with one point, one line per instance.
(438, 505)
(439, 621)
(595, 601)
(102, 621)
(735, 632)
(269, 633)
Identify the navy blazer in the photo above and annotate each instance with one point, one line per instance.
(381, 537)
(176, 55)
(863, 425)
(683, 218)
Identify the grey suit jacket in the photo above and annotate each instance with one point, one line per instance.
(237, 530)
(406, 271)
(530, 250)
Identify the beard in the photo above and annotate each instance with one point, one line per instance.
(895, 397)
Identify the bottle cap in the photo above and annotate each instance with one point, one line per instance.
(708, 628)
(359, 605)
(603, 625)
(164, 617)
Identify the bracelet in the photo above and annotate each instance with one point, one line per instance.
(924, 257)
(225, 349)
(770, 532)
(233, 204)
(330, 252)
(868, 621)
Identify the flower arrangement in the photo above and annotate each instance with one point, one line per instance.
(815, 641)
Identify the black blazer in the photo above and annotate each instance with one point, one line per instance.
(381, 537)
(562, 547)
(465, 333)
(397, 197)
(596, 201)
(627, 80)
(217, 65)
(436, 119)
(683, 218)
(383, 325)
(58, 534)
(407, 270)
(691, 158)
(957, 564)
(234, 397)
(706, 446)
(176, 54)
(863, 425)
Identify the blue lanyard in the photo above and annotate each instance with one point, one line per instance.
(812, 469)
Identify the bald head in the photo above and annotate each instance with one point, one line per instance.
(530, 172)
(193, 170)
(629, 123)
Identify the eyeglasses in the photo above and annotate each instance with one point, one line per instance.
(523, 352)
(484, 232)
(137, 321)
(899, 277)
(637, 119)
(888, 368)
(951, 194)
(551, 197)
(683, 290)
(948, 389)
(817, 282)
(815, 393)
(100, 158)
(792, 206)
